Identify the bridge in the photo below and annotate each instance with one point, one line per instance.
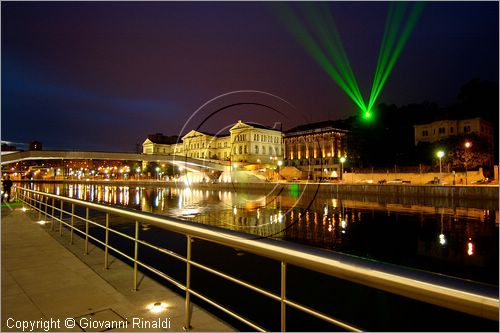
(188, 163)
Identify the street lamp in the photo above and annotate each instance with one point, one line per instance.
(440, 154)
(280, 163)
(468, 144)
(342, 160)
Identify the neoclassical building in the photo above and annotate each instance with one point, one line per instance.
(246, 142)
(316, 149)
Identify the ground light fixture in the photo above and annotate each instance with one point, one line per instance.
(157, 307)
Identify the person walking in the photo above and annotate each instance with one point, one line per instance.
(7, 185)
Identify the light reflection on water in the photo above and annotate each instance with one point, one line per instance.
(452, 240)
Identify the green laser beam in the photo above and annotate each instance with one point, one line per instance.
(336, 48)
(392, 23)
(332, 43)
(292, 22)
(414, 15)
(337, 65)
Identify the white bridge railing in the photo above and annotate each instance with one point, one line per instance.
(374, 275)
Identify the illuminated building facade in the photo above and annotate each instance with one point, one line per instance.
(443, 129)
(247, 143)
(316, 149)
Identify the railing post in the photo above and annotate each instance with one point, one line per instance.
(136, 252)
(187, 324)
(283, 296)
(39, 207)
(46, 201)
(52, 220)
(86, 230)
(72, 222)
(106, 242)
(60, 218)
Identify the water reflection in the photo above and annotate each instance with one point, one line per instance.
(462, 241)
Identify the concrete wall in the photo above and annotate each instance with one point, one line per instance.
(416, 178)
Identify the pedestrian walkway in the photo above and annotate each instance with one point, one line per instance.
(45, 284)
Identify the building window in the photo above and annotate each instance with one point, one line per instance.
(241, 150)
(256, 149)
(466, 129)
(442, 130)
(451, 129)
(425, 133)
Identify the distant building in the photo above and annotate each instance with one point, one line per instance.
(35, 145)
(6, 147)
(316, 149)
(443, 129)
(246, 142)
(159, 144)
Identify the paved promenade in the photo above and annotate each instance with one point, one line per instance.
(42, 281)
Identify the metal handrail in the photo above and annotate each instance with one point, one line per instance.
(414, 285)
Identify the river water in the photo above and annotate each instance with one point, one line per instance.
(458, 241)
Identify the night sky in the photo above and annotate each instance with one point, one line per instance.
(104, 75)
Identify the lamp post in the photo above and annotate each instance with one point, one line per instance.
(280, 163)
(468, 144)
(342, 160)
(440, 154)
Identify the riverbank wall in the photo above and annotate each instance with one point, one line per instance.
(459, 192)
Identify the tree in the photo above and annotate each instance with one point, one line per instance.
(479, 153)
